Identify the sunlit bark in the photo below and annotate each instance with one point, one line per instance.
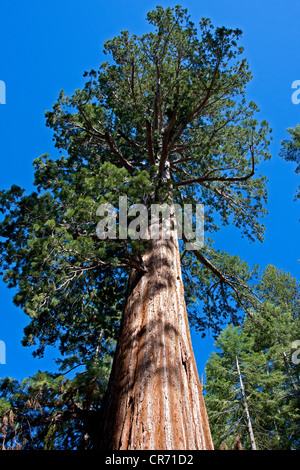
(154, 398)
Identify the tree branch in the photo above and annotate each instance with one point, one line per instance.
(118, 153)
(207, 263)
(196, 111)
(220, 178)
(106, 137)
(165, 152)
(90, 126)
(149, 143)
(181, 160)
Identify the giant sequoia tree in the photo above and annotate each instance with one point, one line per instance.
(164, 121)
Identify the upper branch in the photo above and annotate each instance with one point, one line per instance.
(165, 152)
(220, 178)
(118, 153)
(198, 109)
(106, 137)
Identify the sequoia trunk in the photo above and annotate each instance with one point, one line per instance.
(154, 398)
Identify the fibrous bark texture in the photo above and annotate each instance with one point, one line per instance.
(154, 398)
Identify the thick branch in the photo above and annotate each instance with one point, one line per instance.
(117, 152)
(207, 263)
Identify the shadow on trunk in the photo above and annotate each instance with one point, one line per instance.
(154, 398)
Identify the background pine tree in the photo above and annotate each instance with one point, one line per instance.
(263, 346)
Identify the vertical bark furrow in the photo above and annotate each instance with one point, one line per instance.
(186, 350)
(154, 399)
(202, 433)
(136, 354)
(172, 307)
(166, 417)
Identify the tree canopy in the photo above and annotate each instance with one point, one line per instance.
(290, 149)
(165, 115)
(263, 349)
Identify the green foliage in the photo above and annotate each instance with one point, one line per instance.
(290, 149)
(51, 412)
(166, 118)
(176, 92)
(263, 347)
(213, 302)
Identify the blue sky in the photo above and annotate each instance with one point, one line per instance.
(47, 45)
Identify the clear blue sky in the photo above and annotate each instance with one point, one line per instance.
(47, 45)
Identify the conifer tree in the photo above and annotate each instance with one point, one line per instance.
(290, 149)
(164, 121)
(252, 378)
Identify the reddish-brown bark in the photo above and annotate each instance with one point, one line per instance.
(154, 398)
